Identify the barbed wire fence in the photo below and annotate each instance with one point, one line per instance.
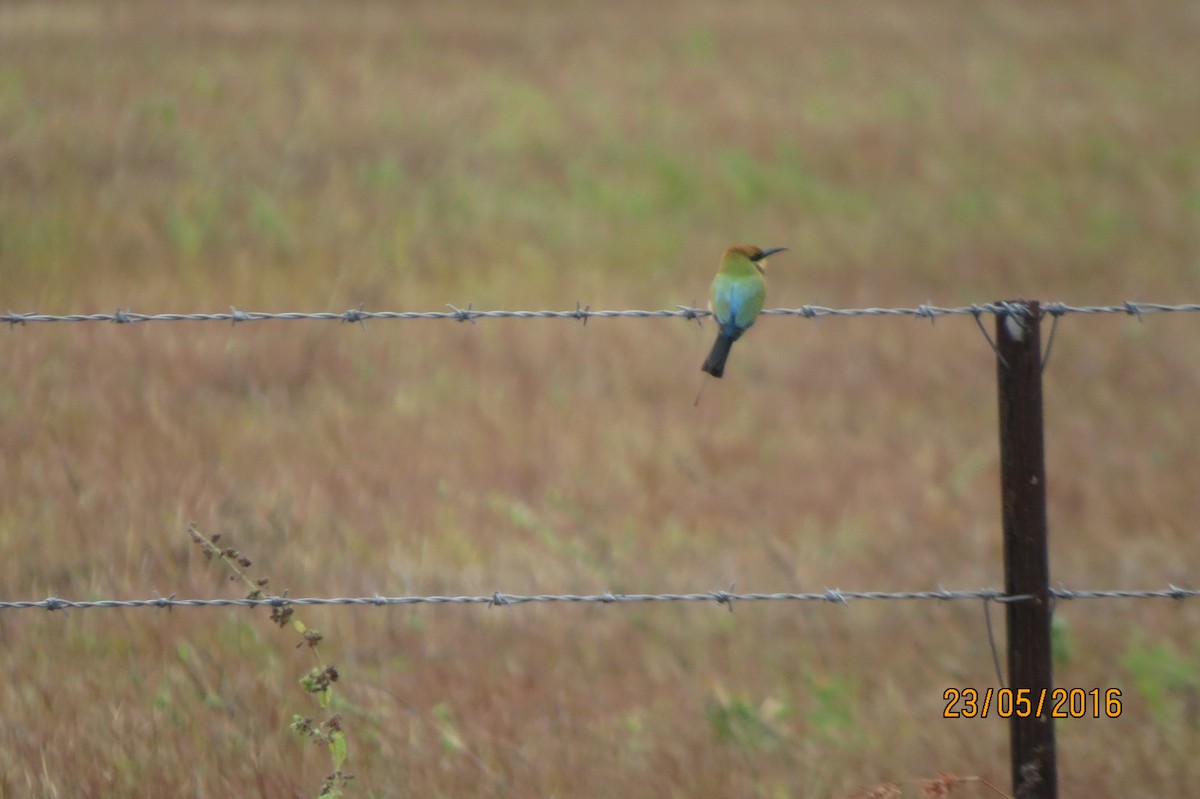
(1028, 597)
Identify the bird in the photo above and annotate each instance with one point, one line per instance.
(735, 299)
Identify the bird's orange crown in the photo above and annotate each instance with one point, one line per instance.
(755, 254)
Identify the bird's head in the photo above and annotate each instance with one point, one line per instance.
(756, 255)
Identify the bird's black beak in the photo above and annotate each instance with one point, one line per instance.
(768, 252)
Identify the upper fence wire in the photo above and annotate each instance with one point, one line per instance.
(583, 313)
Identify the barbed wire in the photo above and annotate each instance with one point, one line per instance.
(728, 598)
(583, 313)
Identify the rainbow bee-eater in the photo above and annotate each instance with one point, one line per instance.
(735, 299)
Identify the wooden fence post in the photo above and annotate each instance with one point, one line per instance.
(1026, 560)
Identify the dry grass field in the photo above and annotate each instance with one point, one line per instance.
(194, 156)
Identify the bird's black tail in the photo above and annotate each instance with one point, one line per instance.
(714, 364)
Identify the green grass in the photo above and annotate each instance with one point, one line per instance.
(289, 158)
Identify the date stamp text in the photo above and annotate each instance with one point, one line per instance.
(1058, 703)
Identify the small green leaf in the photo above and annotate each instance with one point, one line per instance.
(337, 748)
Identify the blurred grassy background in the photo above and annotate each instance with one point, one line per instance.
(193, 156)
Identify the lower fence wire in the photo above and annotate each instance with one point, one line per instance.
(727, 598)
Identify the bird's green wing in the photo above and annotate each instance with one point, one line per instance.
(751, 293)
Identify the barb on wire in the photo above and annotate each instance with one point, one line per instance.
(499, 598)
(1171, 592)
(584, 312)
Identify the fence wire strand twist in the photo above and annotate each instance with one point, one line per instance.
(728, 598)
(583, 313)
